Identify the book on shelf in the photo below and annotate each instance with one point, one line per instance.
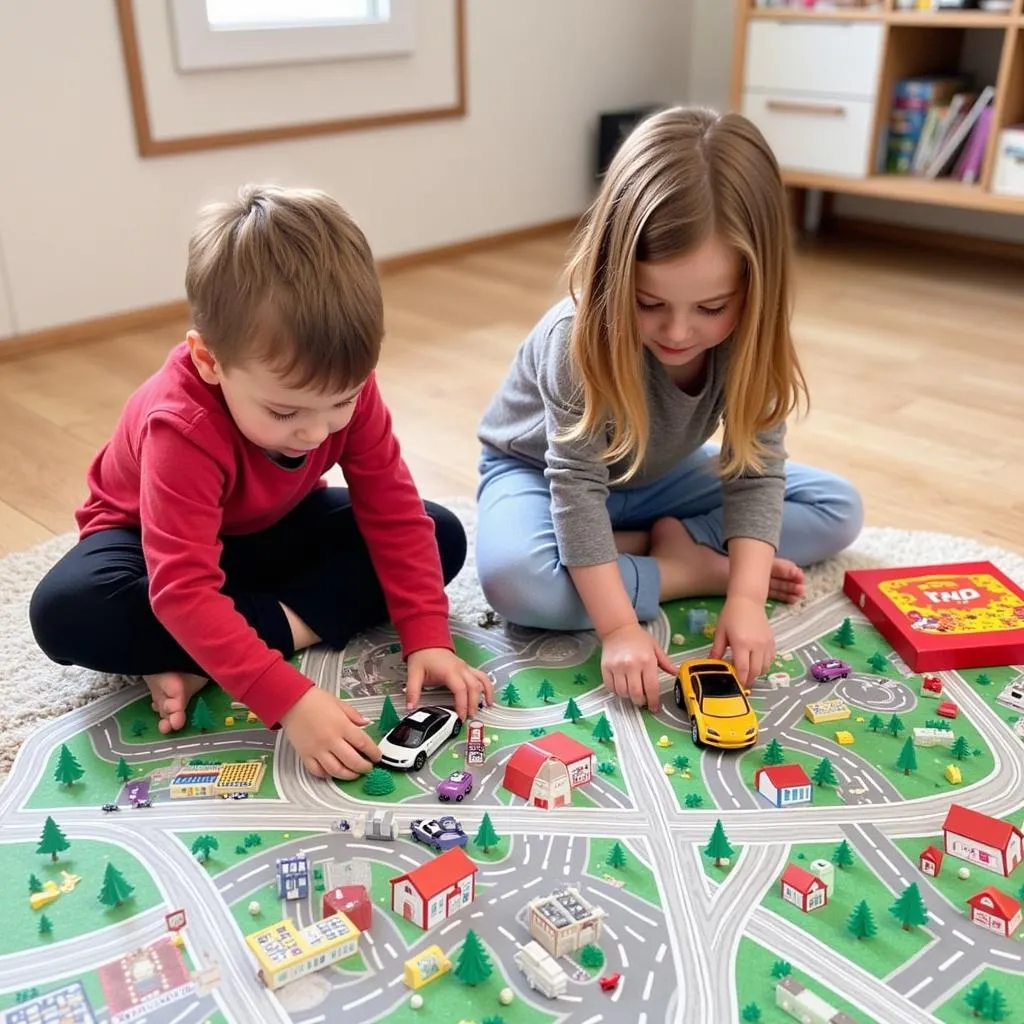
(958, 134)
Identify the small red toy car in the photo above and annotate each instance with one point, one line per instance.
(609, 981)
(947, 709)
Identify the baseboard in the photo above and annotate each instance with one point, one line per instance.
(84, 331)
(925, 238)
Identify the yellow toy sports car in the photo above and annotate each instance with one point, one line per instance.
(710, 693)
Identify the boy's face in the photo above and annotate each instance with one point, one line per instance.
(268, 411)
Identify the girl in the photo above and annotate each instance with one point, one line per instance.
(599, 496)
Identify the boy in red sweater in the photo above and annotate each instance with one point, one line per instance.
(210, 546)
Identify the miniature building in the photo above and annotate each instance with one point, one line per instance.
(802, 889)
(544, 771)
(351, 900)
(926, 736)
(425, 967)
(995, 911)
(930, 861)
(784, 785)
(806, 1006)
(564, 921)
(931, 686)
(240, 777)
(144, 979)
(436, 890)
(845, 738)
(540, 969)
(380, 824)
(1013, 696)
(953, 774)
(68, 1003)
(206, 780)
(696, 619)
(830, 710)
(1018, 728)
(292, 878)
(475, 747)
(284, 953)
(826, 871)
(988, 842)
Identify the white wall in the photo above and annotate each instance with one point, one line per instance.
(89, 228)
(710, 83)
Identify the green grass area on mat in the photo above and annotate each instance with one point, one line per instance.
(867, 641)
(74, 913)
(227, 856)
(891, 947)
(708, 863)
(636, 875)
(272, 909)
(574, 681)
(755, 984)
(998, 677)
(470, 652)
(680, 744)
(824, 796)
(956, 1011)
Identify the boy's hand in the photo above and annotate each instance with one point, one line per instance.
(440, 666)
(630, 660)
(743, 625)
(327, 735)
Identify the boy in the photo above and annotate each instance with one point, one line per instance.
(210, 546)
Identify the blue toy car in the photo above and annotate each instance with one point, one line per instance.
(442, 833)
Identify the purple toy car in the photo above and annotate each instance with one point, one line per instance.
(441, 833)
(455, 787)
(829, 671)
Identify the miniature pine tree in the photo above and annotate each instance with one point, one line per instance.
(824, 773)
(45, 925)
(138, 727)
(68, 770)
(474, 966)
(538, 730)
(693, 800)
(388, 717)
(545, 691)
(845, 636)
(773, 753)
(510, 695)
(982, 680)
(907, 761)
(254, 839)
(861, 922)
(718, 846)
(977, 997)
(378, 782)
(115, 887)
(203, 846)
(895, 725)
(606, 767)
(994, 1007)
(842, 855)
(1020, 894)
(123, 770)
(592, 957)
(909, 908)
(680, 762)
(52, 840)
(876, 723)
(572, 712)
(616, 856)
(493, 1020)
(202, 716)
(879, 662)
(781, 969)
(486, 837)
(580, 679)
(961, 748)
(603, 729)
(34, 885)
(751, 1013)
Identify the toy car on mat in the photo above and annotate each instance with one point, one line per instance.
(409, 744)
(710, 693)
(455, 787)
(442, 833)
(829, 671)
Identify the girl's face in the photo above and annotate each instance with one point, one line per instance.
(689, 304)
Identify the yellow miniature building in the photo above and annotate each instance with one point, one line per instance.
(664, 741)
(229, 721)
(284, 952)
(250, 718)
(844, 738)
(426, 967)
(830, 710)
(241, 777)
(206, 780)
(953, 775)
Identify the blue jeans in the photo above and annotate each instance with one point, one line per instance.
(517, 557)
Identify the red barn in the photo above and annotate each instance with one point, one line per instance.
(931, 685)
(353, 901)
(995, 911)
(988, 842)
(802, 889)
(434, 891)
(930, 861)
(544, 771)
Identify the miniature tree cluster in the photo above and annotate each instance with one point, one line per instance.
(987, 1002)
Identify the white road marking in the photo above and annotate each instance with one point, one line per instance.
(526, 855)
(611, 934)
(395, 981)
(369, 938)
(376, 958)
(363, 999)
(547, 854)
(491, 902)
(1002, 952)
(963, 938)
(506, 895)
(226, 887)
(565, 868)
(935, 917)
(187, 746)
(221, 743)
(504, 931)
(255, 871)
(377, 848)
(503, 871)
(891, 866)
(630, 910)
(642, 1019)
(187, 1012)
(951, 960)
(725, 785)
(648, 985)
(312, 849)
(479, 913)
(636, 935)
(572, 839)
(533, 881)
(618, 990)
(623, 957)
(409, 860)
(905, 883)
(391, 950)
(162, 750)
(660, 955)
(449, 926)
(594, 1019)
(851, 763)
(917, 988)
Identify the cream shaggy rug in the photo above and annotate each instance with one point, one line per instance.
(33, 688)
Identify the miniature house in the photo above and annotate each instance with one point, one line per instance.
(806, 1006)
(564, 921)
(930, 861)
(826, 871)
(995, 911)
(351, 900)
(1013, 696)
(931, 686)
(433, 892)
(802, 889)
(292, 878)
(988, 842)
(784, 785)
(544, 771)
(286, 952)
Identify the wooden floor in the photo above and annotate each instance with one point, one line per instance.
(916, 366)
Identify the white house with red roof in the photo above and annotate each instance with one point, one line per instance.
(802, 889)
(988, 842)
(930, 861)
(545, 771)
(434, 891)
(994, 910)
(784, 785)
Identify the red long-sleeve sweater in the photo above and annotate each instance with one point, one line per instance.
(179, 469)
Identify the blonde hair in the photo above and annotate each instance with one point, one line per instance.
(286, 277)
(679, 178)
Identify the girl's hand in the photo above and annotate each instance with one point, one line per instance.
(630, 659)
(743, 626)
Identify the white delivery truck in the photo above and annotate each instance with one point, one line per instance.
(540, 969)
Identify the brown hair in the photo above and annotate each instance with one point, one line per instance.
(285, 276)
(680, 177)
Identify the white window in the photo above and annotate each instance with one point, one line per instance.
(216, 34)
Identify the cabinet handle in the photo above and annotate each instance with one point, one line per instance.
(789, 107)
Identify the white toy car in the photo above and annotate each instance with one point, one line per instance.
(408, 745)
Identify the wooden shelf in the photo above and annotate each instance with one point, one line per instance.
(799, 14)
(949, 19)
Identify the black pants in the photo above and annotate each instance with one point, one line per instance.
(92, 608)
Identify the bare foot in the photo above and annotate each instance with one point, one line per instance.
(171, 692)
(689, 569)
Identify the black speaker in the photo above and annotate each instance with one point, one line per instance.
(612, 128)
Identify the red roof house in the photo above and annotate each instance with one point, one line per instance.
(351, 900)
(995, 911)
(988, 842)
(544, 771)
(931, 685)
(414, 895)
(930, 861)
(802, 889)
(784, 785)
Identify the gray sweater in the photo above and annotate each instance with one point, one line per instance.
(540, 398)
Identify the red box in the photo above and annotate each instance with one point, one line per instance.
(941, 617)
